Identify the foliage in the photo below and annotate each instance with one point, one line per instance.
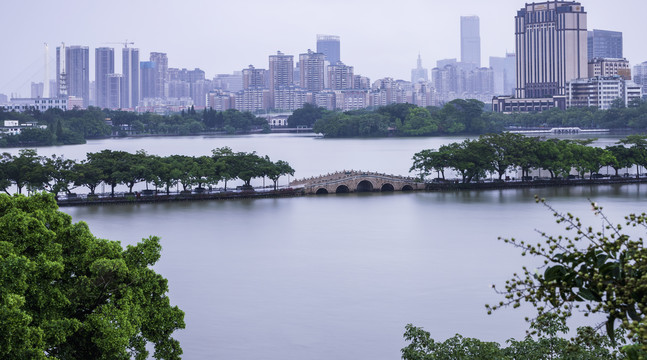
(593, 271)
(546, 343)
(65, 294)
(306, 116)
(499, 153)
(57, 174)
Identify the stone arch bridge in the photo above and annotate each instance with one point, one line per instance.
(356, 181)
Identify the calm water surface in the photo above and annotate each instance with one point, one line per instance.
(339, 276)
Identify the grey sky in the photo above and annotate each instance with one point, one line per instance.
(378, 37)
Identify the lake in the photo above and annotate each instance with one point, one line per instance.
(337, 276)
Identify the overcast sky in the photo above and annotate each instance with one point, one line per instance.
(379, 38)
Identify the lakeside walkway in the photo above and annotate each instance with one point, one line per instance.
(448, 185)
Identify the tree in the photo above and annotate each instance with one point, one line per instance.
(226, 163)
(26, 169)
(594, 271)
(544, 341)
(112, 165)
(278, 169)
(306, 116)
(61, 174)
(86, 174)
(68, 295)
(503, 146)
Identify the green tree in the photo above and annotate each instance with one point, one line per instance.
(88, 175)
(594, 271)
(306, 116)
(60, 172)
(25, 170)
(68, 295)
(278, 169)
(112, 165)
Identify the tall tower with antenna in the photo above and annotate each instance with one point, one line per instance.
(61, 78)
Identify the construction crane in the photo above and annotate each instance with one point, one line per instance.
(125, 43)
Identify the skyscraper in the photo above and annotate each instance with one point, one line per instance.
(148, 73)
(161, 74)
(114, 86)
(130, 69)
(470, 40)
(73, 72)
(329, 46)
(419, 73)
(104, 64)
(281, 70)
(551, 47)
(340, 77)
(504, 74)
(78, 72)
(254, 78)
(604, 44)
(312, 70)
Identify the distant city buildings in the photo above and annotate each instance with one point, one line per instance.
(555, 73)
(160, 74)
(504, 74)
(419, 74)
(545, 66)
(311, 66)
(130, 69)
(470, 40)
(639, 75)
(73, 72)
(104, 65)
(328, 45)
(604, 44)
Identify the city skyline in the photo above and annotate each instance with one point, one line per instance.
(380, 48)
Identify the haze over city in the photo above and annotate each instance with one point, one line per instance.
(378, 38)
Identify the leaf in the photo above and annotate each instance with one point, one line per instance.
(554, 273)
(589, 295)
(610, 331)
(631, 311)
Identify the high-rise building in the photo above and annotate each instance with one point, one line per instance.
(130, 69)
(340, 77)
(551, 47)
(74, 77)
(161, 73)
(148, 74)
(281, 75)
(639, 75)
(603, 67)
(281, 69)
(104, 64)
(254, 78)
(604, 44)
(114, 86)
(419, 73)
(470, 40)
(329, 46)
(312, 70)
(37, 90)
(504, 74)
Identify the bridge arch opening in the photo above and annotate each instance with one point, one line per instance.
(407, 188)
(364, 186)
(322, 191)
(342, 189)
(387, 188)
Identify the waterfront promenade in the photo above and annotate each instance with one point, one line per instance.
(336, 183)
